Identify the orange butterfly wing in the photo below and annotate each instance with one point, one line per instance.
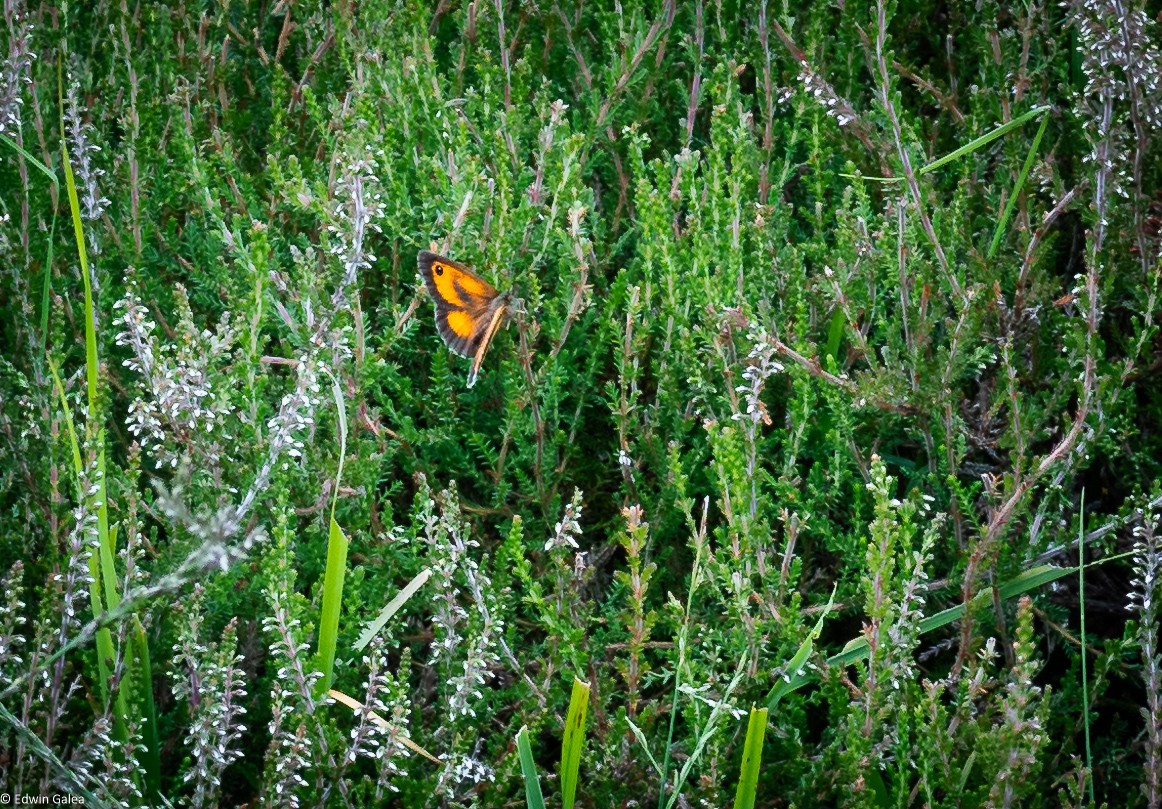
(469, 310)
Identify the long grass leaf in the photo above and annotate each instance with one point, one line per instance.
(1016, 192)
(46, 284)
(102, 567)
(573, 742)
(400, 736)
(984, 139)
(336, 565)
(641, 738)
(332, 604)
(534, 798)
(106, 652)
(794, 667)
(62, 772)
(708, 730)
(752, 756)
(1084, 675)
(151, 756)
(857, 648)
(392, 607)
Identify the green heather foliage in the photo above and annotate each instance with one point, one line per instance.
(770, 372)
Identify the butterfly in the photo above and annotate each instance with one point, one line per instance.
(469, 310)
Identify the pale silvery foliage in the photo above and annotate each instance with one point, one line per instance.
(178, 414)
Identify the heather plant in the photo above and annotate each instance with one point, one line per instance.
(836, 351)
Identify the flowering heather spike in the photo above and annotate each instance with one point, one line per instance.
(1022, 729)
(565, 532)
(821, 90)
(81, 152)
(1144, 600)
(453, 567)
(12, 592)
(207, 675)
(1120, 55)
(14, 74)
(357, 207)
(385, 697)
(180, 414)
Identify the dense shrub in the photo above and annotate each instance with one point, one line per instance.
(780, 376)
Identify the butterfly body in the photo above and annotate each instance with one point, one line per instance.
(469, 310)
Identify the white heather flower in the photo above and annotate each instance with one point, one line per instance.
(566, 531)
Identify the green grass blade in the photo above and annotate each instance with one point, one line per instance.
(341, 417)
(965, 772)
(336, 565)
(879, 789)
(106, 551)
(707, 732)
(984, 139)
(752, 756)
(101, 566)
(695, 577)
(533, 796)
(332, 603)
(856, 649)
(105, 649)
(27, 155)
(794, 668)
(835, 334)
(139, 650)
(573, 742)
(46, 288)
(93, 428)
(92, 369)
(392, 607)
(74, 443)
(641, 738)
(1024, 175)
(62, 772)
(1084, 675)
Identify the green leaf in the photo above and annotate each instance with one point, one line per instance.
(795, 666)
(573, 742)
(533, 797)
(332, 602)
(1016, 192)
(336, 566)
(392, 606)
(752, 756)
(984, 139)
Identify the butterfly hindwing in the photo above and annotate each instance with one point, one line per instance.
(484, 336)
